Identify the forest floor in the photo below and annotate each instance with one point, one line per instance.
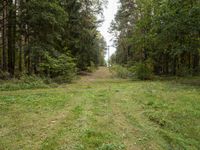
(99, 112)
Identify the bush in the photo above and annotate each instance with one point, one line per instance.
(61, 69)
(143, 71)
(120, 71)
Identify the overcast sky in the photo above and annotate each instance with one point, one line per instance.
(109, 14)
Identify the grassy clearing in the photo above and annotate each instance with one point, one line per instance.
(103, 114)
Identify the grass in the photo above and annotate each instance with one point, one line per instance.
(103, 114)
(26, 82)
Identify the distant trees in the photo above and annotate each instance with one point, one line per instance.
(35, 33)
(165, 33)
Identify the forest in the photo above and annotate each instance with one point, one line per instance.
(159, 36)
(50, 38)
(99, 74)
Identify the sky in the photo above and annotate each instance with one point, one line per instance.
(109, 15)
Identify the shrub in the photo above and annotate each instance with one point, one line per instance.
(62, 69)
(143, 71)
(120, 71)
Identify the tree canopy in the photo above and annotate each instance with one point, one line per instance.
(165, 33)
(40, 36)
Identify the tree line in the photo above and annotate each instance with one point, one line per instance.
(161, 34)
(50, 38)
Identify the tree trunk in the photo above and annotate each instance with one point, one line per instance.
(166, 64)
(14, 37)
(174, 65)
(4, 60)
(20, 54)
(10, 40)
(20, 38)
(11, 36)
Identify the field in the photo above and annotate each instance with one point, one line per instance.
(102, 113)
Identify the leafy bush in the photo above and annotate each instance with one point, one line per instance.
(65, 69)
(143, 71)
(62, 69)
(120, 71)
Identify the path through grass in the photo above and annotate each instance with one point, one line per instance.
(101, 113)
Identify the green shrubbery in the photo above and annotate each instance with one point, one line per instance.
(61, 69)
(25, 82)
(142, 71)
(120, 71)
(56, 70)
(145, 71)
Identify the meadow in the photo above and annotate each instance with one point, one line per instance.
(103, 113)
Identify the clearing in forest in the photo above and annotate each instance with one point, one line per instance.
(99, 112)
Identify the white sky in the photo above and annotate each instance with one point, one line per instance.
(109, 15)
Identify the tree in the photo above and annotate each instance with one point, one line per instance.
(35, 30)
(165, 32)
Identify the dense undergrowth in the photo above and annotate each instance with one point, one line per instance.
(144, 71)
(139, 71)
(26, 82)
(33, 81)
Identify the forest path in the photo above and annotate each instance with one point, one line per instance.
(101, 73)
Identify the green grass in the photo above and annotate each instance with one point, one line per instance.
(26, 82)
(106, 114)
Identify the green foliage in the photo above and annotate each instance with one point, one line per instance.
(54, 28)
(120, 71)
(25, 82)
(61, 68)
(165, 31)
(143, 71)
